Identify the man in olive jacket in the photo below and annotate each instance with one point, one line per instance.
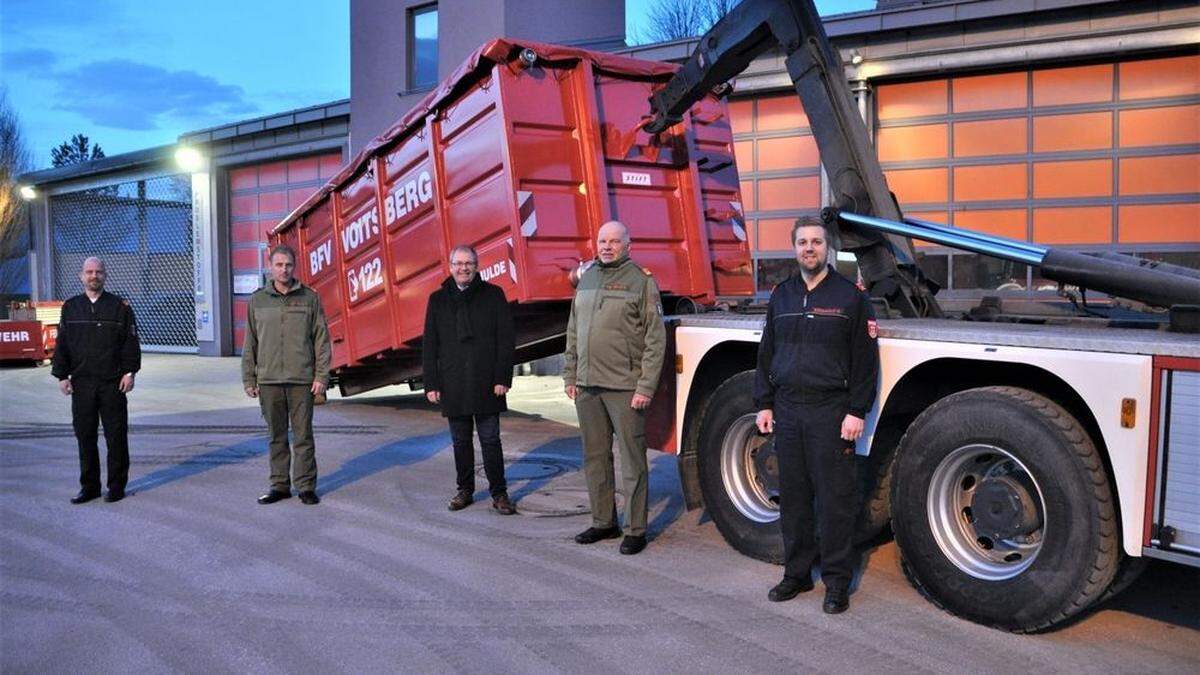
(467, 353)
(614, 355)
(285, 365)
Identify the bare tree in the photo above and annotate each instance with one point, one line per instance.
(75, 151)
(670, 20)
(14, 224)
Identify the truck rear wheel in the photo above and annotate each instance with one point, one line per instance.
(1002, 510)
(739, 476)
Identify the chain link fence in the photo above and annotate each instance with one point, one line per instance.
(142, 230)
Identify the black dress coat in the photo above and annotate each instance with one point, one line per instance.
(468, 347)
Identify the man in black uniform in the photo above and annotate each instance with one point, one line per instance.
(95, 361)
(818, 363)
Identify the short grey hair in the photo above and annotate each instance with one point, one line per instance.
(464, 248)
(285, 250)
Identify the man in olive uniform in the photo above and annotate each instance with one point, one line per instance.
(615, 345)
(285, 365)
(95, 362)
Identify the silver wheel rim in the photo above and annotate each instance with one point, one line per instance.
(749, 490)
(950, 506)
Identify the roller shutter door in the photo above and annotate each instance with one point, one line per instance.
(1103, 156)
(260, 195)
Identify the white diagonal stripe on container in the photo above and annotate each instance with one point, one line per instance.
(527, 213)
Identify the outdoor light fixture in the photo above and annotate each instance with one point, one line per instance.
(855, 57)
(28, 193)
(189, 159)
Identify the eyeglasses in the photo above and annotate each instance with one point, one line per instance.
(470, 263)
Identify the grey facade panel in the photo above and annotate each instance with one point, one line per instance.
(1182, 12)
(309, 116)
(918, 17)
(277, 122)
(991, 8)
(250, 127)
(285, 136)
(854, 25)
(942, 40)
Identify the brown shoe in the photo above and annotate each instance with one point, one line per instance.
(461, 500)
(502, 505)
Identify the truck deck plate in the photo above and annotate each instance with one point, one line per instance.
(1116, 340)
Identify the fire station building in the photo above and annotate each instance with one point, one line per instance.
(1073, 123)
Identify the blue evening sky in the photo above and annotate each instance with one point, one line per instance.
(131, 74)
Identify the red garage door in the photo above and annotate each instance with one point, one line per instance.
(260, 195)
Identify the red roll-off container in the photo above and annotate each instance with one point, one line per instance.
(523, 153)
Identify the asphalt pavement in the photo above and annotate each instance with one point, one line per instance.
(189, 574)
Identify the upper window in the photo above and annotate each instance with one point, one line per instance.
(422, 47)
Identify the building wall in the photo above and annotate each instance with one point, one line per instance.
(257, 171)
(379, 29)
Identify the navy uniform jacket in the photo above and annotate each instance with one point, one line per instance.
(818, 345)
(96, 340)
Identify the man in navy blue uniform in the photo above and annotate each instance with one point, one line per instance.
(818, 364)
(95, 360)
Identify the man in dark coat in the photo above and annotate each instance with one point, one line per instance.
(95, 362)
(468, 361)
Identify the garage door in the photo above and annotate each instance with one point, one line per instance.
(142, 230)
(781, 178)
(260, 196)
(1091, 157)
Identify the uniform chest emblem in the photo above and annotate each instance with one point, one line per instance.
(872, 329)
(615, 286)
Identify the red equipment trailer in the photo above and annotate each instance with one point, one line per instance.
(31, 332)
(523, 153)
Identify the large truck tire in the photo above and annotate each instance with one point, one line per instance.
(739, 476)
(875, 489)
(1128, 571)
(1002, 510)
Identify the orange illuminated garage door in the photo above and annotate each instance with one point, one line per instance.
(1094, 157)
(781, 176)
